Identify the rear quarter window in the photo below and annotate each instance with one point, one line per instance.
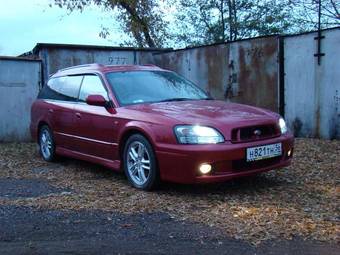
(64, 88)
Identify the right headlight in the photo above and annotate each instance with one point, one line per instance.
(195, 134)
(283, 126)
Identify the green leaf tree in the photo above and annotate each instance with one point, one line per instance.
(197, 22)
(306, 13)
(227, 20)
(140, 18)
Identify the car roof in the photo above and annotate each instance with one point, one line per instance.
(93, 68)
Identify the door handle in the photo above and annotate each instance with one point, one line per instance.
(50, 111)
(78, 115)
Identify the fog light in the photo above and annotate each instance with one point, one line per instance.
(205, 168)
(289, 153)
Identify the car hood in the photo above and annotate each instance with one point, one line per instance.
(219, 114)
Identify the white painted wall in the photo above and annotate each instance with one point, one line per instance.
(19, 86)
(312, 91)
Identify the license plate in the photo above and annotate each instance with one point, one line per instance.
(264, 151)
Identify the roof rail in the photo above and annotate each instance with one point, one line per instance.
(80, 66)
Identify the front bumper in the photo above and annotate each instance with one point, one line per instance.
(179, 163)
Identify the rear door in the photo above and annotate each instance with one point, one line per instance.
(95, 124)
(61, 96)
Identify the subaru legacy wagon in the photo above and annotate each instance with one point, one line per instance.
(155, 126)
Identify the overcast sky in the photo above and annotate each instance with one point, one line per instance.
(23, 23)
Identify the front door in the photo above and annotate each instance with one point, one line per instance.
(95, 124)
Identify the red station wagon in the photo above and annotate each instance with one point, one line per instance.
(154, 125)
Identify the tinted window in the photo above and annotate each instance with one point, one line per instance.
(92, 85)
(64, 88)
(152, 86)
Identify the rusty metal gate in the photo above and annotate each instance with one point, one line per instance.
(244, 71)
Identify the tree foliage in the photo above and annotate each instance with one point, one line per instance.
(197, 22)
(220, 20)
(306, 13)
(210, 21)
(140, 18)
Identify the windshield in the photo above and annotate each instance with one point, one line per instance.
(136, 87)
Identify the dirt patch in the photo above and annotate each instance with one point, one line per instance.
(298, 201)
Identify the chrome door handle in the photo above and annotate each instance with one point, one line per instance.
(78, 115)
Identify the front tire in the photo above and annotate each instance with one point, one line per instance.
(46, 144)
(140, 164)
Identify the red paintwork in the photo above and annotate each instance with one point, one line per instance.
(96, 133)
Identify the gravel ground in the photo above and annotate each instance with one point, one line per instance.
(292, 208)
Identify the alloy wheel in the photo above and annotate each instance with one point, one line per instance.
(46, 144)
(138, 163)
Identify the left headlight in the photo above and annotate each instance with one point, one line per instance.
(195, 134)
(283, 126)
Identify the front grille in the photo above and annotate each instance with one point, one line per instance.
(254, 133)
(242, 164)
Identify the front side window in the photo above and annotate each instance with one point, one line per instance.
(135, 87)
(92, 85)
(65, 88)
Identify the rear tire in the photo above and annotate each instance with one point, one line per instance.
(46, 144)
(140, 165)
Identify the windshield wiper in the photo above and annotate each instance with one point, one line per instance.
(175, 99)
(182, 99)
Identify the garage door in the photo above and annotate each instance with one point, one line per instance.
(19, 86)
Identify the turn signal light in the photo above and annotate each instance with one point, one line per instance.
(289, 153)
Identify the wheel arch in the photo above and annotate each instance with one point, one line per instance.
(40, 125)
(128, 133)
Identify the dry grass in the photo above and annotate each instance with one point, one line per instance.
(301, 200)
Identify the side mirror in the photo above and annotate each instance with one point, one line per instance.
(97, 100)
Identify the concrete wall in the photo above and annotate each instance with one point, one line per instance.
(244, 71)
(312, 91)
(19, 86)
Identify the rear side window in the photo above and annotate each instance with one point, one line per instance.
(92, 85)
(64, 88)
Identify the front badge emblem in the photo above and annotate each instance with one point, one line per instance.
(257, 132)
